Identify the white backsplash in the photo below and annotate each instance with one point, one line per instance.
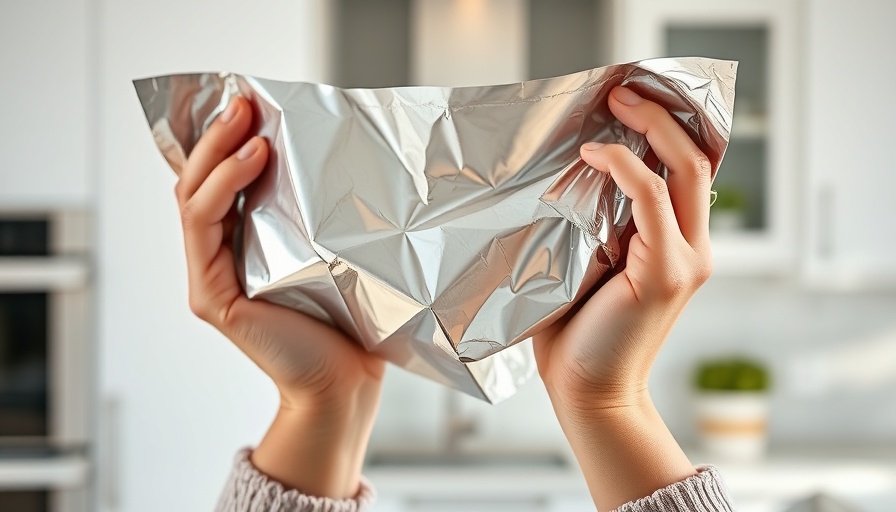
(831, 356)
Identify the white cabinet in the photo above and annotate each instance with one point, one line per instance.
(810, 159)
(849, 112)
(47, 123)
(754, 221)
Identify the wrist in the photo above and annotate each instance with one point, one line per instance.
(316, 444)
(578, 397)
(624, 449)
(581, 413)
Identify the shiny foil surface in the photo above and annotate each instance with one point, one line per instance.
(439, 227)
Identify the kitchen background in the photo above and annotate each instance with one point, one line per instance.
(804, 237)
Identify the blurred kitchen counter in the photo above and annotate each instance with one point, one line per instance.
(476, 481)
(863, 476)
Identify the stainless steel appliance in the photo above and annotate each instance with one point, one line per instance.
(45, 362)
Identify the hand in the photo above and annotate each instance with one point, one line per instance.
(329, 386)
(596, 362)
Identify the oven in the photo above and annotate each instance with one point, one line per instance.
(46, 362)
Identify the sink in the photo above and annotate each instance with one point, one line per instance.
(534, 460)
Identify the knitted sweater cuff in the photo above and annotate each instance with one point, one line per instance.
(249, 490)
(703, 492)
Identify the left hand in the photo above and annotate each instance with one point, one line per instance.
(329, 385)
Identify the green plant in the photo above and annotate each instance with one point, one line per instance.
(735, 374)
(730, 198)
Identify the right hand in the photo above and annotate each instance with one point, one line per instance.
(596, 362)
(329, 385)
(600, 355)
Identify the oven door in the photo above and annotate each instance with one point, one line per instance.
(44, 363)
(24, 367)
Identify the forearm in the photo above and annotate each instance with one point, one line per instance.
(318, 448)
(625, 452)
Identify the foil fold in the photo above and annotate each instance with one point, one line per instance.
(439, 227)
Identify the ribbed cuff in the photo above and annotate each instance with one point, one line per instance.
(248, 490)
(703, 492)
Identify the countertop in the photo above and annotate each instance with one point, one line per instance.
(864, 476)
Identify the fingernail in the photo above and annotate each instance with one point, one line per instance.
(247, 150)
(626, 96)
(229, 112)
(592, 146)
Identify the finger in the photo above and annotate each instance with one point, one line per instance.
(689, 169)
(217, 143)
(651, 207)
(203, 213)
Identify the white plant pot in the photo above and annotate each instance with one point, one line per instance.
(733, 424)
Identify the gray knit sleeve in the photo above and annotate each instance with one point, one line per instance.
(703, 492)
(248, 490)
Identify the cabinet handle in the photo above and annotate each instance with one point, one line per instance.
(826, 218)
(110, 475)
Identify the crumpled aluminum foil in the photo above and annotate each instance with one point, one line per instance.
(439, 227)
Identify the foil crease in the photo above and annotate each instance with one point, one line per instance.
(439, 227)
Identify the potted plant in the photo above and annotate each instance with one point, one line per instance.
(729, 210)
(732, 408)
